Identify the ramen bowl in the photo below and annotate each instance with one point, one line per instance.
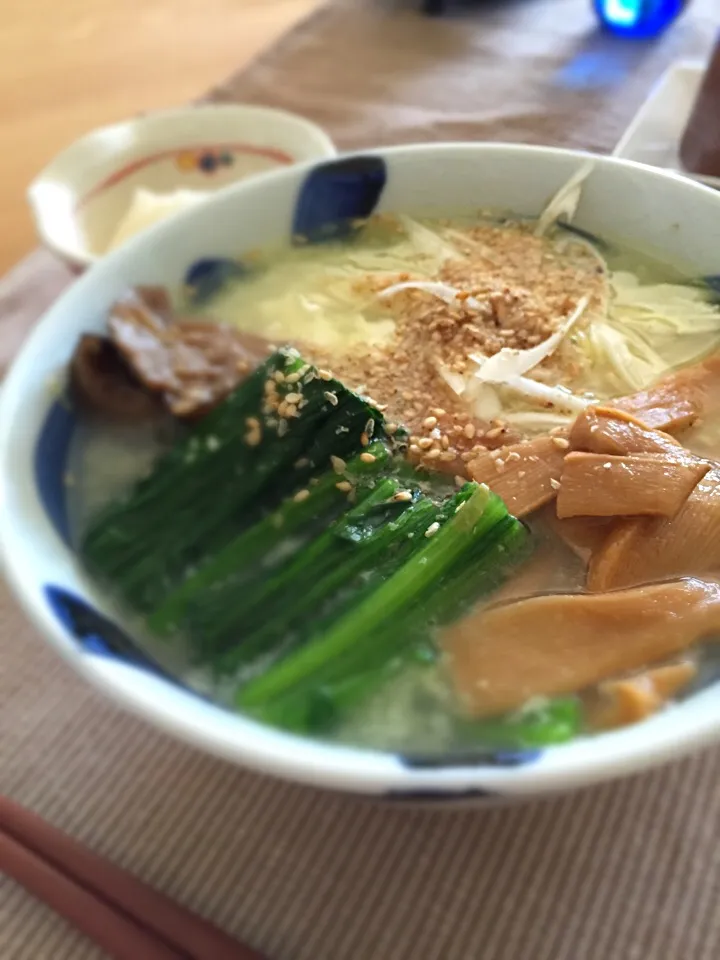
(675, 218)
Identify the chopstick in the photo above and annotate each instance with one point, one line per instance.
(124, 916)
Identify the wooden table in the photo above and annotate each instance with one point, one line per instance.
(67, 67)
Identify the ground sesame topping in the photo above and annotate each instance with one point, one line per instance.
(253, 437)
(524, 287)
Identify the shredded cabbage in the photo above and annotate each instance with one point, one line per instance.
(444, 291)
(559, 397)
(538, 421)
(426, 242)
(565, 202)
(653, 328)
(509, 363)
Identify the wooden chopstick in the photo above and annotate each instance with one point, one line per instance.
(107, 903)
(106, 926)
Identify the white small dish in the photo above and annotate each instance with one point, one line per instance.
(78, 200)
(655, 132)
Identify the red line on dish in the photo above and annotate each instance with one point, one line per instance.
(114, 178)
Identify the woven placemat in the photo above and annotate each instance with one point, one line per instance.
(629, 871)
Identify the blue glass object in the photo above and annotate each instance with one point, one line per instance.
(638, 18)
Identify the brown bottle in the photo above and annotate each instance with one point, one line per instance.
(700, 145)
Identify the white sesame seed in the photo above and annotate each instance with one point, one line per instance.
(555, 484)
(324, 374)
(561, 443)
(367, 458)
(344, 485)
(430, 422)
(432, 529)
(301, 495)
(338, 464)
(469, 430)
(402, 496)
(331, 397)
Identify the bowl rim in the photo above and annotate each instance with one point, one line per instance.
(56, 169)
(332, 766)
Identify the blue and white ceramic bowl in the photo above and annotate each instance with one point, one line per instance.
(677, 219)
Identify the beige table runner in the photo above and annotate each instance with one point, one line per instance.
(629, 871)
